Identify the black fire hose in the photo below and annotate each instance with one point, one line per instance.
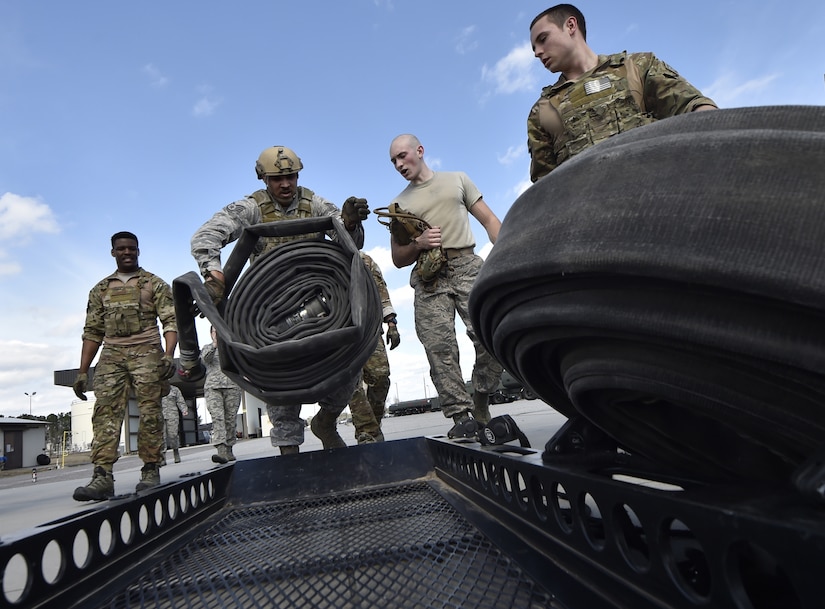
(299, 323)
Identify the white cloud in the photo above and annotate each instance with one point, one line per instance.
(519, 188)
(20, 217)
(8, 268)
(727, 91)
(465, 42)
(512, 73)
(207, 104)
(156, 79)
(513, 154)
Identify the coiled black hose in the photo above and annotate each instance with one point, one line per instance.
(306, 361)
(667, 285)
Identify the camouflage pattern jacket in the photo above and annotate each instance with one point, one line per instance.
(622, 92)
(105, 314)
(228, 224)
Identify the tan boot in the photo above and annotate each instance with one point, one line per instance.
(101, 487)
(229, 455)
(221, 456)
(323, 426)
(149, 477)
(481, 407)
(288, 450)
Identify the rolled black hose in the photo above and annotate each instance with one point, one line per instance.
(310, 359)
(667, 285)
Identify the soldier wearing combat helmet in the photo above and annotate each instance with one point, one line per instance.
(596, 96)
(280, 200)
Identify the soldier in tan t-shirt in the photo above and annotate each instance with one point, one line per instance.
(445, 200)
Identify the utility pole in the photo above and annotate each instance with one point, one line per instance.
(33, 393)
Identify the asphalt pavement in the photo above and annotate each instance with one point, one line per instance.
(25, 504)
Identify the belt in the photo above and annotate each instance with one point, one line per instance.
(457, 252)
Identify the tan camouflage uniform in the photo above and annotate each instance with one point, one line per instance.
(437, 302)
(171, 404)
(571, 116)
(223, 398)
(129, 361)
(367, 406)
(226, 226)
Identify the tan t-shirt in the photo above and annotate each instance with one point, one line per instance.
(444, 200)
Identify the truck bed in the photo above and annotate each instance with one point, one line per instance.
(425, 522)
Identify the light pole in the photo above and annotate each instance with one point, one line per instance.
(33, 393)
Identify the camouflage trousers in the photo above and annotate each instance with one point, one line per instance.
(367, 406)
(171, 429)
(120, 371)
(287, 424)
(222, 404)
(436, 305)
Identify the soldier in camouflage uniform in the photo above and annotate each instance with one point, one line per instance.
(122, 314)
(367, 406)
(445, 200)
(172, 403)
(281, 200)
(223, 398)
(596, 96)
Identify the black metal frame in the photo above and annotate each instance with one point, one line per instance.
(580, 526)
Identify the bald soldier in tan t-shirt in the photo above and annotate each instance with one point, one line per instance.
(445, 200)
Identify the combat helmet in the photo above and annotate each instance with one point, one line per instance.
(277, 161)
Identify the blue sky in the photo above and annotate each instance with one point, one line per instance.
(149, 117)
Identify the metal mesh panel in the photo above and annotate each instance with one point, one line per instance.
(403, 546)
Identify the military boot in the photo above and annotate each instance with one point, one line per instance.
(229, 454)
(162, 459)
(176, 453)
(365, 438)
(481, 407)
(289, 450)
(102, 486)
(149, 477)
(221, 456)
(323, 426)
(465, 426)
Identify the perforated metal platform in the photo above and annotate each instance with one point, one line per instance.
(402, 546)
(423, 523)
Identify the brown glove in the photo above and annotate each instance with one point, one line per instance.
(393, 337)
(166, 368)
(354, 211)
(216, 288)
(79, 385)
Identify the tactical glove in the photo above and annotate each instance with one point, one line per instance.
(216, 288)
(354, 211)
(166, 368)
(79, 385)
(393, 337)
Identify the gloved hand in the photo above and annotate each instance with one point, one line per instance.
(166, 368)
(79, 385)
(216, 288)
(393, 337)
(354, 211)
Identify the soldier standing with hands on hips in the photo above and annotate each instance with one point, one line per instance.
(122, 314)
